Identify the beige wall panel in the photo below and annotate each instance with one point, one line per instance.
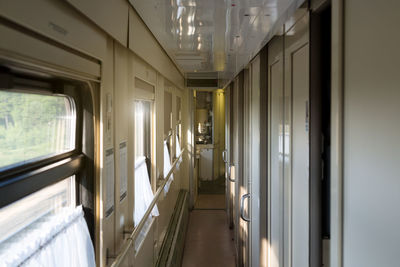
(30, 50)
(159, 94)
(144, 71)
(106, 132)
(143, 43)
(58, 21)
(111, 16)
(145, 255)
(166, 206)
(122, 116)
(371, 211)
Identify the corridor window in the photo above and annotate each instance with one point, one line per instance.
(143, 166)
(143, 133)
(34, 127)
(34, 229)
(178, 144)
(168, 123)
(47, 201)
(46, 134)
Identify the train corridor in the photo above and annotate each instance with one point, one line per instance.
(150, 133)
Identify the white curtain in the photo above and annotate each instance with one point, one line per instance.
(143, 198)
(167, 168)
(54, 240)
(143, 193)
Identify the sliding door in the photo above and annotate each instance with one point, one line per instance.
(296, 125)
(244, 180)
(237, 160)
(276, 154)
(289, 179)
(228, 155)
(253, 156)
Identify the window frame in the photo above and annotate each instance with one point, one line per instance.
(22, 179)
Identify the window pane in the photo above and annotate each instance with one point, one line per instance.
(34, 126)
(178, 139)
(143, 132)
(49, 200)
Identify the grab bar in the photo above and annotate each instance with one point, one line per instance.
(131, 240)
(224, 156)
(242, 207)
(230, 173)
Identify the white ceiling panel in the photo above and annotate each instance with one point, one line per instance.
(214, 35)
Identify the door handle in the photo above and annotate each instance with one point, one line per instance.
(229, 174)
(242, 207)
(224, 156)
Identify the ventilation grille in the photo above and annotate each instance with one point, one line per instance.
(209, 83)
(202, 79)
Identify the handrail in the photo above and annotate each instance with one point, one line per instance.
(130, 241)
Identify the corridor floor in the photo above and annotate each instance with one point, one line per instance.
(210, 202)
(209, 241)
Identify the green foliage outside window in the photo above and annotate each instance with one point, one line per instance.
(34, 126)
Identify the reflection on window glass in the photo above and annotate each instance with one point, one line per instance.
(143, 132)
(49, 200)
(34, 126)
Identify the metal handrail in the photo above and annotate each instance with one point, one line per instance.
(131, 240)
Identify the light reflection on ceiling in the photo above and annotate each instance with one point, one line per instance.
(214, 35)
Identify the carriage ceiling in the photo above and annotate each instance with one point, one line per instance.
(214, 37)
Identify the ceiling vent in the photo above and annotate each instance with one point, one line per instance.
(202, 79)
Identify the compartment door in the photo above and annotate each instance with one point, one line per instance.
(296, 143)
(228, 155)
(275, 152)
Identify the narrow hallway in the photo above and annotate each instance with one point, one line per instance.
(209, 241)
